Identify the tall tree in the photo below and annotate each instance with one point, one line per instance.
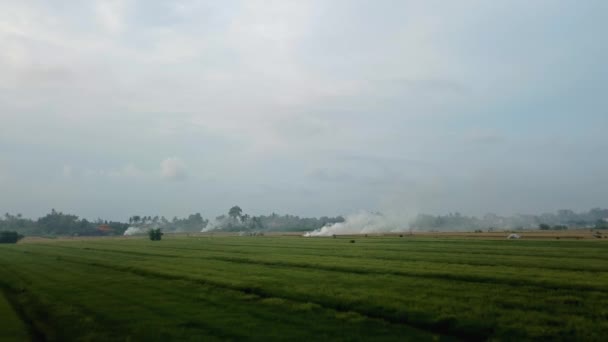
(235, 212)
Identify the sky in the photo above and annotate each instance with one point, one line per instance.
(113, 108)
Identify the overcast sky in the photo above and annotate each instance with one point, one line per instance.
(114, 108)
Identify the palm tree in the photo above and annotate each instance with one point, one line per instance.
(235, 212)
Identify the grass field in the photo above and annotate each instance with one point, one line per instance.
(12, 329)
(280, 287)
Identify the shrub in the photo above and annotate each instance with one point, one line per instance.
(155, 234)
(601, 224)
(10, 237)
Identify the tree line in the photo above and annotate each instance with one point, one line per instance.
(57, 223)
(562, 219)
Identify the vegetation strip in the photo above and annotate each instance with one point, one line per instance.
(441, 293)
(264, 294)
(441, 326)
(365, 270)
(161, 276)
(16, 327)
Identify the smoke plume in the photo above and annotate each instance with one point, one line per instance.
(364, 222)
(135, 231)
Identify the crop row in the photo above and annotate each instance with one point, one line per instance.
(464, 300)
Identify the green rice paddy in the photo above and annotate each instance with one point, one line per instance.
(285, 288)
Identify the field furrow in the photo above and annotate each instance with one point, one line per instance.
(228, 287)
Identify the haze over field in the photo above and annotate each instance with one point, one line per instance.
(110, 108)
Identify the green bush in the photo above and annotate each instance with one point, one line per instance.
(155, 234)
(10, 237)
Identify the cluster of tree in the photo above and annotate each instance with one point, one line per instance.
(10, 237)
(236, 221)
(445, 222)
(155, 234)
(54, 223)
(601, 224)
(19, 223)
(57, 223)
(544, 226)
(562, 219)
(192, 223)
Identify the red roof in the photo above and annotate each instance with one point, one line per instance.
(104, 228)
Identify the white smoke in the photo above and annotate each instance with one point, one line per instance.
(212, 225)
(135, 231)
(364, 222)
(224, 222)
(217, 224)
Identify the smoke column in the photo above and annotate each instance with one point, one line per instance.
(135, 231)
(364, 222)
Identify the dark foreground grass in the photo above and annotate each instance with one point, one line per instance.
(11, 327)
(269, 288)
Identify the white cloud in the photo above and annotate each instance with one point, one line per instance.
(173, 169)
(68, 171)
(3, 173)
(289, 86)
(111, 14)
(129, 170)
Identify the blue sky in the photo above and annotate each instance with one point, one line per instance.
(112, 108)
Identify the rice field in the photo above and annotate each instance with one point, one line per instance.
(288, 287)
(12, 329)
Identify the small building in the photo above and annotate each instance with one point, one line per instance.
(104, 228)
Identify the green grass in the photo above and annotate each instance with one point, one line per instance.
(270, 288)
(11, 327)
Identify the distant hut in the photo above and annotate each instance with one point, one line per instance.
(104, 229)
